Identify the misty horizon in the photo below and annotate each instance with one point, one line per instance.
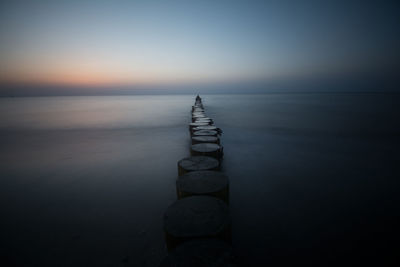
(385, 83)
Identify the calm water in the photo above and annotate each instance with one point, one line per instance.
(85, 180)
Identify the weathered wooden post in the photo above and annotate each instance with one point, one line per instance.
(198, 116)
(205, 133)
(197, 163)
(205, 119)
(209, 183)
(196, 124)
(196, 217)
(205, 127)
(207, 149)
(205, 139)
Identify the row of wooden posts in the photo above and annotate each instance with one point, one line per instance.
(197, 226)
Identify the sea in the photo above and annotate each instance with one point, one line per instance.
(314, 177)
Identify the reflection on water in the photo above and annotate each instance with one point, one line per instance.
(87, 179)
(113, 112)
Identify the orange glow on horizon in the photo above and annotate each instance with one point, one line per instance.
(79, 76)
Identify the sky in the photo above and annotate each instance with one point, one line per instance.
(108, 46)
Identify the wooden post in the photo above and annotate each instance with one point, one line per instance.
(196, 217)
(197, 118)
(204, 119)
(206, 127)
(198, 115)
(207, 149)
(197, 163)
(211, 183)
(205, 132)
(195, 124)
(205, 139)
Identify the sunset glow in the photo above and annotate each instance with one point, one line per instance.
(98, 43)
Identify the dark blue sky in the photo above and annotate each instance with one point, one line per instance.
(204, 44)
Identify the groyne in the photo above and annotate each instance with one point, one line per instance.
(197, 226)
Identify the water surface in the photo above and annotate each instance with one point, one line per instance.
(85, 180)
